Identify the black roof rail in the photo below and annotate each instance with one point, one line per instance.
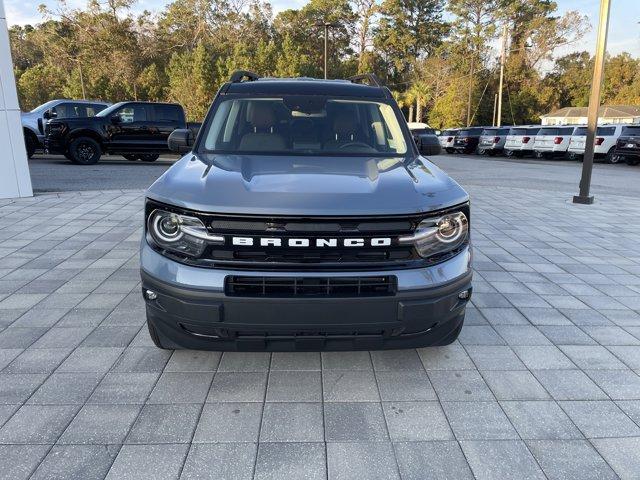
(240, 75)
(371, 79)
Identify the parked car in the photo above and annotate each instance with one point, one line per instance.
(628, 145)
(425, 138)
(520, 139)
(446, 138)
(492, 140)
(467, 139)
(136, 130)
(552, 141)
(604, 145)
(33, 122)
(328, 234)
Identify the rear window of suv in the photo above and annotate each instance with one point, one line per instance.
(303, 125)
(471, 132)
(603, 131)
(492, 132)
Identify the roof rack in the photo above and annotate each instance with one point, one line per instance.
(240, 76)
(372, 79)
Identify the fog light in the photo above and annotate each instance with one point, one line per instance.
(464, 295)
(150, 294)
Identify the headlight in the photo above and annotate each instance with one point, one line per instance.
(439, 235)
(180, 233)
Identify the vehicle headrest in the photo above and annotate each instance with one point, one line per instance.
(261, 115)
(344, 124)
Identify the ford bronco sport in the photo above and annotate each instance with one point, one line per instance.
(302, 217)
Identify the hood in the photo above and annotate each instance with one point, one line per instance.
(316, 186)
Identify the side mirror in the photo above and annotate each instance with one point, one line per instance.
(116, 119)
(181, 141)
(430, 149)
(49, 114)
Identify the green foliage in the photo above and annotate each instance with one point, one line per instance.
(441, 68)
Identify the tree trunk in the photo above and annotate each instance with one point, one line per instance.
(418, 109)
(411, 113)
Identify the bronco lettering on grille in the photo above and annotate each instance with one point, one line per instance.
(310, 242)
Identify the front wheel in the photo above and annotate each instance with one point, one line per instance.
(155, 338)
(84, 151)
(509, 153)
(481, 151)
(612, 157)
(149, 157)
(453, 336)
(30, 144)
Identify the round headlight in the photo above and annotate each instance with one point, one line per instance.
(451, 227)
(441, 235)
(166, 227)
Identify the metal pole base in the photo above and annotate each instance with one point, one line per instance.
(584, 200)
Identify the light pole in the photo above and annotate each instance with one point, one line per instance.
(503, 55)
(594, 104)
(327, 26)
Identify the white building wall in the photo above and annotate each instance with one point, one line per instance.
(14, 170)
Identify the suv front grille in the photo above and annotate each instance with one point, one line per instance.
(337, 257)
(249, 286)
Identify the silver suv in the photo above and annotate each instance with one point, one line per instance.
(303, 217)
(33, 122)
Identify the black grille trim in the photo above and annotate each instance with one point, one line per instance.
(287, 287)
(393, 257)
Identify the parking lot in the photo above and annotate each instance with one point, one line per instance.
(544, 381)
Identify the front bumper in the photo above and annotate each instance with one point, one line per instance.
(192, 309)
(54, 145)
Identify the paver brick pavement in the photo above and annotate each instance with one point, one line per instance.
(544, 380)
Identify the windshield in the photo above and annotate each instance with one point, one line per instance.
(303, 125)
(108, 111)
(45, 106)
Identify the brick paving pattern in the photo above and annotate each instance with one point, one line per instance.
(543, 383)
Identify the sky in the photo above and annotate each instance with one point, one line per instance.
(624, 26)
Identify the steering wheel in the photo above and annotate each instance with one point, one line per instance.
(354, 144)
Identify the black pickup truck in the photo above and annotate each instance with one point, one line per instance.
(135, 130)
(628, 144)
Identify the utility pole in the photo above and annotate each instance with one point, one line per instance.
(495, 106)
(326, 26)
(326, 36)
(471, 82)
(503, 55)
(594, 104)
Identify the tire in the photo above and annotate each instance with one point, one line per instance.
(84, 151)
(481, 151)
(509, 153)
(632, 160)
(153, 333)
(149, 157)
(539, 155)
(449, 150)
(491, 153)
(131, 157)
(453, 336)
(30, 143)
(573, 156)
(68, 156)
(611, 156)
